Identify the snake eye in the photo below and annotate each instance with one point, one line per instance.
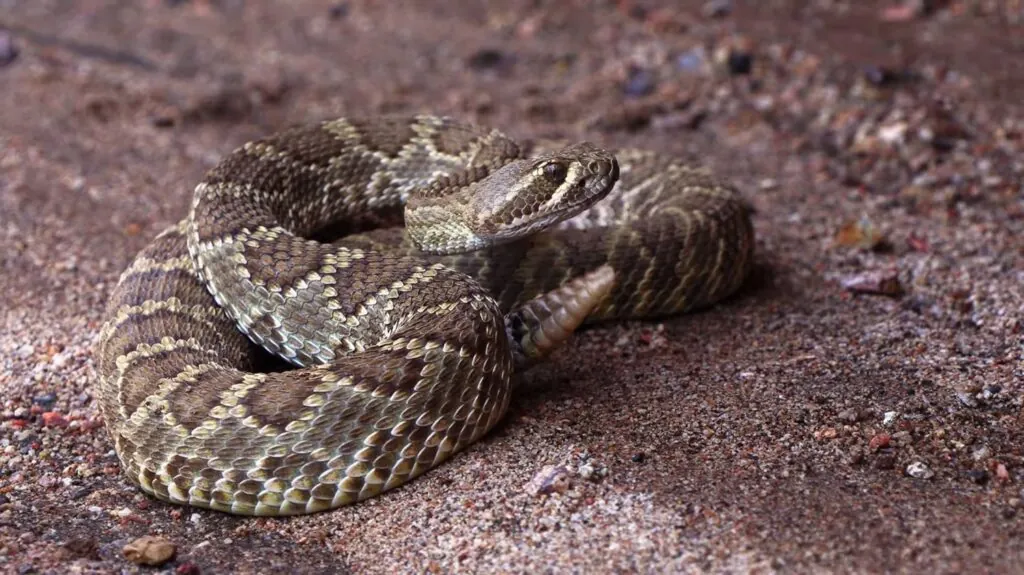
(555, 172)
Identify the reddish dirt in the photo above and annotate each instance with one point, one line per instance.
(858, 407)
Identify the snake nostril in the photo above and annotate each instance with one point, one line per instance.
(598, 167)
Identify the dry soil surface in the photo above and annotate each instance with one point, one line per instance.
(856, 408)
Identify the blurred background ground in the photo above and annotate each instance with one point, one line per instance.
(857, 408)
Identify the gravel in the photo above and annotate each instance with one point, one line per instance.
(858, 407)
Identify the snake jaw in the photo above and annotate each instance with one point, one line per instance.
(512, 202)
(552, 188)
(589, 178)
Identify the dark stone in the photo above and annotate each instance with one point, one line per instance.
(8, 49)
(880, 75)
(338, 11)
(641, 82)
(84, 548)
(691, 61)
(488, 59)
(885, 461)
(979, 476)
(740, 63)
(45, 400)
(718, 8)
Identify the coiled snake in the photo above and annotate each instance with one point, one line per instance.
(402, 341)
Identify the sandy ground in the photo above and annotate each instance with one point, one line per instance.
(857, 408)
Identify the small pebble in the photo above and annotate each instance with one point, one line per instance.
(850, 415)
(592, 471)
(83, 492)
(45, 400)
(826, 434)
(967, 398)
(979, 476)
(8, 49)
(740, 63)
(885, 460)
(550, 479)
(692, 61)
(902, 437)
(880, 75)
(919, 470)
(641, 82)
(901, 12)
(487, 59)
(59, 360)
(879, 441)
(149, 550)
(187, 568)
(1002, 474)
(861, 233)
(874, 283)
(717, 8)
(893, 134)
(54, 419)
(338, 11)
(83, 547)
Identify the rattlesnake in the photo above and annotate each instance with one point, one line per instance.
(405, 339)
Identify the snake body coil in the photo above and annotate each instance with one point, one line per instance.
(403, 340)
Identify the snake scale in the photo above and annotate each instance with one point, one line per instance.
(345, 304)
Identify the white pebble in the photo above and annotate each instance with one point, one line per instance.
(892, 133)
(59, 360)
(919, 470)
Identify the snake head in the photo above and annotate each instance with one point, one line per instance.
(519, 198)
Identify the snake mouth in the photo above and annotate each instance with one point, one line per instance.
(590, 189)
(602, 176)
(607, 170)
